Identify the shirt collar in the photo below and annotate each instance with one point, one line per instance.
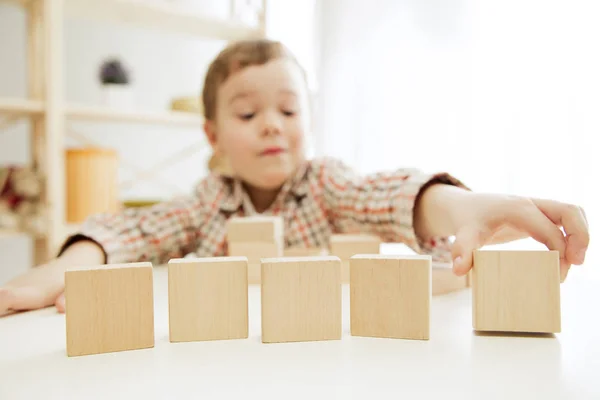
(236, 196)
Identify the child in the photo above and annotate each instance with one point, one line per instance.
(257, 115)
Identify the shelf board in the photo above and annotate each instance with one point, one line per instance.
(15, 2)
(104, 114)
(163, 17)
(67, 229)
(169, 18)
(14, 106)
(9, 233)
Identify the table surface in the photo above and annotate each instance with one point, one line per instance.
(455, 363)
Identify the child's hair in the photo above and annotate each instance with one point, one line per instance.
(235, 57)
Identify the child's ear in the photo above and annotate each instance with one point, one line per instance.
(211, 133)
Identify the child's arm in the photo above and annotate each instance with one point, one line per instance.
(166, 230)
(157, 233)
(382, 204)
(43, 285)
(425, 211)
(477, 219)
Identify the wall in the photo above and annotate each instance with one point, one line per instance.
(504, 95)
(163, 66)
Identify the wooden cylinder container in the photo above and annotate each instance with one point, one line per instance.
(91, 182)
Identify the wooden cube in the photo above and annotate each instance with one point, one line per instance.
(208, 299)
(345, 246)
(110, 308)
(254, 251)
(444, 281)
(301, 299)
(255, 229)
(516, 291)
(390, 296)
(255, 237)
(304, 252)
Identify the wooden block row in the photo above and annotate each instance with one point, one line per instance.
(110, 308)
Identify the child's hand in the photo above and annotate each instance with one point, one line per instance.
(489, 219)
(40, 287)
(44, 285)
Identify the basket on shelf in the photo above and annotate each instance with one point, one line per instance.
(91, 182)
(189, 104)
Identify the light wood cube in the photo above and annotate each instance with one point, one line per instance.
(110, 308)
(345, 246)
(208, 299)
(304, 252)
(255, 229)
(254, 251)
(390, 296)
(444, 281)
(255, 237)
(301, 299)
(516, 291)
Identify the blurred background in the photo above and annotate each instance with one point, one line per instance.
(104, 94)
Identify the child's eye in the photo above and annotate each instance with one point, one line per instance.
(288, 113)
(247, 117)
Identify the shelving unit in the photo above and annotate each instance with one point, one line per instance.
(162, 17)
(7, 233)
(100, 114)
(20, 107)
(46, 105)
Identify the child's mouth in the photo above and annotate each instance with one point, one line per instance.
(272, 151)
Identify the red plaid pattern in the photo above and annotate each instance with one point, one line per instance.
(324, 197)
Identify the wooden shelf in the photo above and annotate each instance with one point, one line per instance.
(172, 118)
(13, 106)
(15, 2)
(45, 25)
(169, 18)
(8, 233)
(166, 18)
(68, 229)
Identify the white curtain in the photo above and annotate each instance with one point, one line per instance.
(503, 94)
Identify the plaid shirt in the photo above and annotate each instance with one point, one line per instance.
(324, 197)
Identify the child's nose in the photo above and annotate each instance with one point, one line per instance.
(271, 124)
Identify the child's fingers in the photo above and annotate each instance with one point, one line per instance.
(541, 228)
(6, 296)
(467, 240)
(574, 221)
(60, 303)
(25, 298)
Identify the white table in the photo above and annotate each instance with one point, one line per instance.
(454, 364)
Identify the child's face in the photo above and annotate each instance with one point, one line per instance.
(261, 119)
